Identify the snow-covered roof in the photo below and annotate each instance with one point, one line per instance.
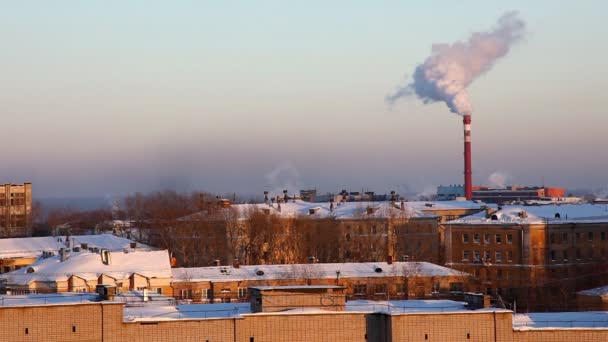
(551, 320)
(34, 246)
(47, 299)
(348, 210)
(298, 271)
(89, 266)
(598, 291)
(297, 287)
(554, 214)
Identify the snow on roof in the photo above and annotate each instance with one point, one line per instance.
(89, 266)
(297, 287)
(47, 299)
(298, 271)
(598, 291)
(554, 214)
(34, 246)
(551, 320)
(349, 210)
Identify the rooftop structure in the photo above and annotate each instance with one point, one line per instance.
(15, 209)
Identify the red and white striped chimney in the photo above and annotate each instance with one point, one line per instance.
(468, 173)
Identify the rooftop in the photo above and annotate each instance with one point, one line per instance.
(349, 210)
(34, 246)
(538, 214)
(89, 266)
(320, 270)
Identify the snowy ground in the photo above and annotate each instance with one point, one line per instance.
(404, 306)
(590, 319)
(150, 311)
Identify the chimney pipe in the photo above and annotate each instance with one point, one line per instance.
(468, 173)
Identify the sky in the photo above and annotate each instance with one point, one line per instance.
(108, 98)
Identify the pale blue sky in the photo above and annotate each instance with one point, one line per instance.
(111, 97)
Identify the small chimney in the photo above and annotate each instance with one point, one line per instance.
(266, 197)
(236, 263)
(217, 262)
(393, 197)
(331, 204)
(62, 254)
(133, 245)
(389, 259)
(84, 246)
(285, 196)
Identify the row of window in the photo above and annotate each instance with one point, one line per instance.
(487, 256)
(563, 237)
(578, 254)
(208, 293)
(487, 238)
(13, 201)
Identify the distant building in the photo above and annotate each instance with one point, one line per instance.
(449, 192)
(347, 196)
(15, 209)
(514, 193)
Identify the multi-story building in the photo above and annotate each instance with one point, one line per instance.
(15, 209)
(296, 231)
(371, 280)
(514, 193)
(536, 256)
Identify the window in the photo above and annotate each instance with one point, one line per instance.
(360, 289)
(465, 255)
(498, 256)
(380, 289)
(456, 287)
(590, 236)
(509, 238)
(476, 256)
(565, 255)
(186, 293)
(206, 293)
(488, 256)
(578, 253)
(498, 274)
(400, 288)
(436, 287)
(552, 237)
(603, 236)
(577, 237)
(498, 238)
(465, 237)
(552, 253)
(509, 256)
(564, 237)
(242, 292)
(486, 239)
(159, 290)
(476, 238)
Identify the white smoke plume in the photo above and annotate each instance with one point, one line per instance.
(450, 69)
(499, 179)
(284, 176)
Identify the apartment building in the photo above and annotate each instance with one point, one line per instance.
(15, 209)
(536, 256)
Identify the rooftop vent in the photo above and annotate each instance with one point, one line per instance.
(312, 211)
(378, 270)
(259, 272)
(558, 216)
(494, 217)
(429, 205)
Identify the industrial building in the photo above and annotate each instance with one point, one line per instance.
(509, 194)
(15, 209)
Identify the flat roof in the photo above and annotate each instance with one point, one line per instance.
(297, 287)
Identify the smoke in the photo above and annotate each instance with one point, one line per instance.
(499, 179)
(450, 69)
(283, 177)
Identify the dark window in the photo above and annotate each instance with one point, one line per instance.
(509, 238)
(565, 238)
(465, 255)
(476, 238)
(552, 255)
(380, 289)
(509, 256)
(565, 255)
(590, 236)
(552, 237)
(498, 238)
(465, 238)
(360, 289)
(486, 239)
(603, 236)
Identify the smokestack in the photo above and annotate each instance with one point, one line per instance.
(468, 173)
